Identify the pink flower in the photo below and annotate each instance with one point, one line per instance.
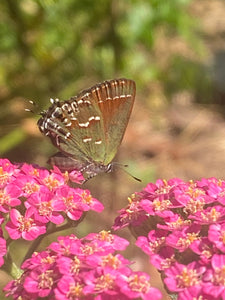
(31, 170)
(153, 243)
(43, 203)
(70, 288)
(116, 242)
(73, 176)
(24, 226)
(7, 170)
(180, 225)
(214, 278)
(16, 290)
(181, 277)
(88, 202)
(162, 187)
(51, 180)
(69, 202)
(46, 259)
(210, 215)
(137, 285)
(9, 197)
(28, 184)
(40, 282)
(205, 250)
(157, 206)
(133, 215)
(101, 282)
(212, 186)
(217, 236)
(182, 240)
(76, 176)
(109, 261)
(194, 292)
(77, 268)
(161, 255)
(69, 266)
(68, 244)
(173, 222)
(75, 201)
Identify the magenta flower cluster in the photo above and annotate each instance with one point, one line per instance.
(35, 202)
(34, 197)
(181, 226)
(86, 268)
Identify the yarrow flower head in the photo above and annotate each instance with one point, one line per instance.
(35, 202)
(181, 226)
(31, 198)
(66, 271)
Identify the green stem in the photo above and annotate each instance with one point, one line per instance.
(11, 268)
(52, 228)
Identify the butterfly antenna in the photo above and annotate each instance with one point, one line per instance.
(121, 166)
(34, 104)
(137, 179)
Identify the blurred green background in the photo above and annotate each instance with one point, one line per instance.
(174, 50)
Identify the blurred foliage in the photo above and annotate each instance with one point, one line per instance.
(56, 48)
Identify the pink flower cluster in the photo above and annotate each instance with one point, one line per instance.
(30, 198)
(181, 226)
(86, 268)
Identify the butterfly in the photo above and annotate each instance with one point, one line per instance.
(88, 128)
